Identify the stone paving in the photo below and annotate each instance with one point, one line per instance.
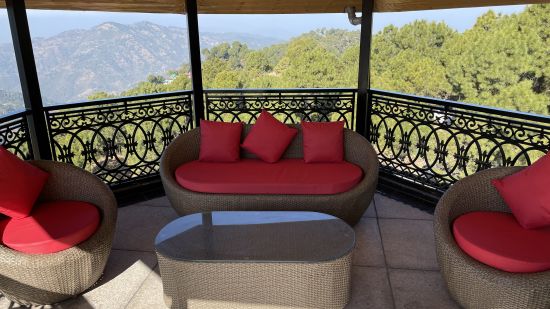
(394, 264)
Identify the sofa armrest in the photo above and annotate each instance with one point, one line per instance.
(360, 152)
(184, 148)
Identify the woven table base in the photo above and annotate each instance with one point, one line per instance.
(228, 285)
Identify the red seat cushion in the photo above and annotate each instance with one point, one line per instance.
(497, 239)
(252, 176)
(20, 185)
(527, 193)
(268, 138)
(51, 227)
(323, 141)
(220, 141)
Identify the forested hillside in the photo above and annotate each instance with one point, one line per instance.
(10, 101)
(502, 61)
(111, 57)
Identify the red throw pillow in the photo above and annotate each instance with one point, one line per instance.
(220, 141)
(527, 193)
(323, 141)
(269, 138)
(20, 185)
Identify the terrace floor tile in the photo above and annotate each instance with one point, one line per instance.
(408, 243)
(137, 226)
(371, 211)
(370, 288)
(156, 202)
(387, 207)
(420, 289)
(368, 249)
(394, 264)
(150, 294)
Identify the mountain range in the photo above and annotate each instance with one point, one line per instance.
(109, 57)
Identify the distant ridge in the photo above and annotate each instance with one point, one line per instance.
(108, 57)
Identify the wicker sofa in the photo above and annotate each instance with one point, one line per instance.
(349, 205)
(471, 283)
(43, 279)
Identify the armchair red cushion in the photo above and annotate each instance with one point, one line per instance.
(527, 193)
(20, 185)
(269, 138)
(51, 227)
(323, 141)
(220, 141)
(496, 239)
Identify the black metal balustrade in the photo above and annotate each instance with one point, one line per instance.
(289, 105)
(424, 144)
(14, 135)
(120, 140)
(430, 143)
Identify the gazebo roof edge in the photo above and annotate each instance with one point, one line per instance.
(260, 6)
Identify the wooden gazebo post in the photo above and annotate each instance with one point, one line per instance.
(362, 121)
(28, 77)
(195, 60)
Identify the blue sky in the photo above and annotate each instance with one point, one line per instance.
(48, 23)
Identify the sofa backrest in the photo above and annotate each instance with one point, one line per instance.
(293, 151)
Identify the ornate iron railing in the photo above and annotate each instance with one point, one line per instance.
(426, 142)
(434, 142)
(14, 135)
(289, 105)
(120, 140)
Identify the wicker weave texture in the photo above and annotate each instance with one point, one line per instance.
(348, 206)
(227, 285)
(471, 283)
(50, 278)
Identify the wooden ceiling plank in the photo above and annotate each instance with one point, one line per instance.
(261, 6)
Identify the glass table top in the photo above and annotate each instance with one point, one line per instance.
(256, 236)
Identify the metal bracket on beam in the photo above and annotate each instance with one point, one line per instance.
(352, 16)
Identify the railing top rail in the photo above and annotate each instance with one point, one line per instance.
(467, 106)
(13, 115)
(117, 100)
(281, 90)
(442, 102)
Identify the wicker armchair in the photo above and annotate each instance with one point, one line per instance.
(348, 206)
(31, 279)
(471, 283)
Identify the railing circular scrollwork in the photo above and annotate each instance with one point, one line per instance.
(435, 143)
(287, 105)
(14, 135)
(119, 140)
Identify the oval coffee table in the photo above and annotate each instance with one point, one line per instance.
(256, 259)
